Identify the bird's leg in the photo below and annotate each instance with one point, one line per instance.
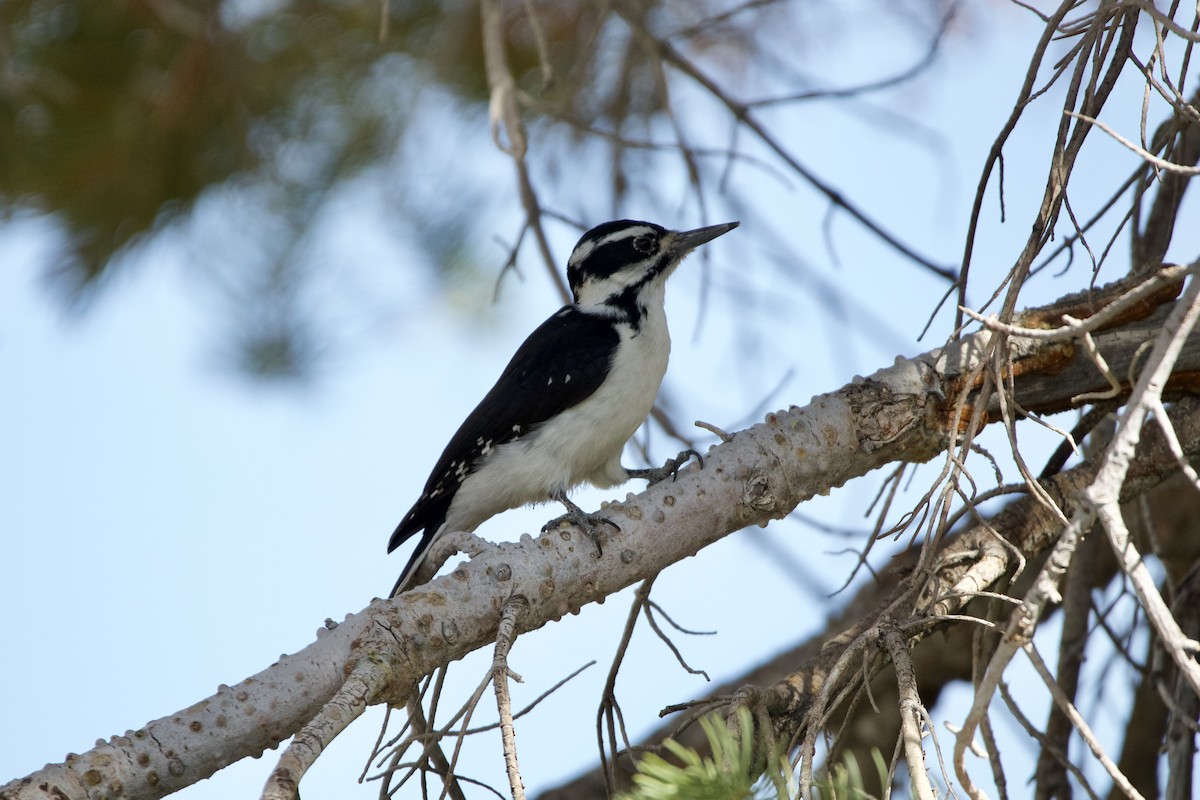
(588, 523)
(671, 468)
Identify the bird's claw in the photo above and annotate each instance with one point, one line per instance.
(589, 523)
(681, 459)
(670, 468)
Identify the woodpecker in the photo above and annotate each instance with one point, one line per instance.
(572, 395)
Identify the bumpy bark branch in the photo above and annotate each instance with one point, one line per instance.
(900, 413)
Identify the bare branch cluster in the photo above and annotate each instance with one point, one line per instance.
(901, 413)
(1102, 47)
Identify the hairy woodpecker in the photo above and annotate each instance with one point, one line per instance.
(572, 396)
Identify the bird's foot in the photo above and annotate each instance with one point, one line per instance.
(669, 469)
(590, 524)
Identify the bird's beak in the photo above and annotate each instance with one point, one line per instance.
(686, 241)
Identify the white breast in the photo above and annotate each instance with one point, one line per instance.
(583, 444)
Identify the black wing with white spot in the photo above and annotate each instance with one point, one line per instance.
(560, 365)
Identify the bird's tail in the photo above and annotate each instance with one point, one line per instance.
(407, 576)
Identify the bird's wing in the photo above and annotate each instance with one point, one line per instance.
(559, 366)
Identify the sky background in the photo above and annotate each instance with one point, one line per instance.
(170, 526)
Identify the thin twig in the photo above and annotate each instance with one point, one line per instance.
(505, 636)
(364, 685)
(1085, 730)
(1074, 328)
(1146, 155)
(1103, 494)
(508, 132)
(912, 712)
(609, 707)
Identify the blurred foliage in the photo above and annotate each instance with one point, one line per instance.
(121, 119)
(116, 116)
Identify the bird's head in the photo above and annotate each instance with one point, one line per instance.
(613, 262)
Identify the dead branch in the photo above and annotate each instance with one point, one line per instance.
(942, 657)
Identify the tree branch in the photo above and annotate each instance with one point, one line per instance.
(900, 413)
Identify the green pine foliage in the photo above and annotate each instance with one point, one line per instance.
(844, 781)
(730, 773)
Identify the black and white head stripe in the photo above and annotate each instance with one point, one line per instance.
(613, 246)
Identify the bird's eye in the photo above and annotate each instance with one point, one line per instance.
(645, 244)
